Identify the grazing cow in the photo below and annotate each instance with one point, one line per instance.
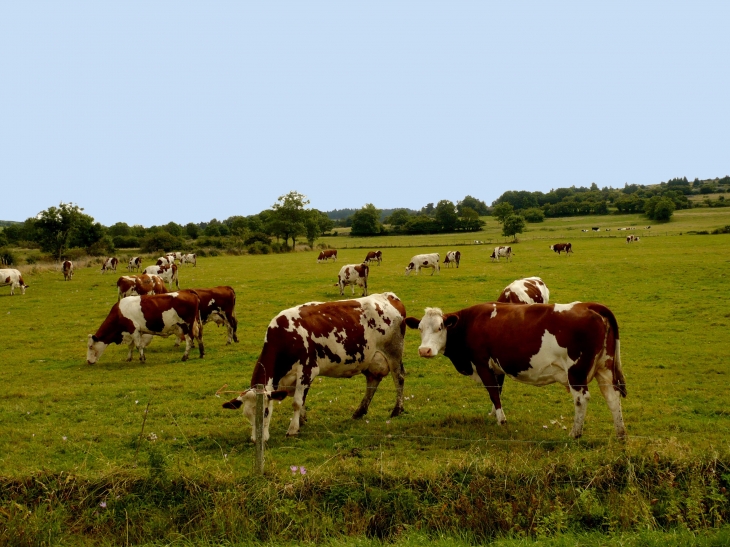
(167, 273)
(632, 238)
(68, 270)
(374, 256)
(135, 263)
(531, 290)
(584, 230)
(218, 305)
(137, 285)
(333, 339)
(109, 264)
(168, 260)
(540, 344)
(135, 319)
(452, 257)
(560, 247)
(14, 279)
(596, 228)
(353, 274)
(501, 251)
(477, 242)
(608, 229)
(647, 227)
(325, 255)
(189, 259)
(424, 261)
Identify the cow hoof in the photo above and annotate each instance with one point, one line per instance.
(185, 358)
(397, 411)
(288, 434)
(359, 414)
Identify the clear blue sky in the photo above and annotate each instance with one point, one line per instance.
(147, 112)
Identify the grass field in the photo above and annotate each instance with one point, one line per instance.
(76, 429)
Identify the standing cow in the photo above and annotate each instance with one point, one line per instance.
(374, 256)
(325, 255)
(138, 285)
(531, 290)
(167, 273)
(135, 319)
(424, 261)
(560, 247)
(218, 305)
(353, 274)
(333, 339)
(540, 344)
(189, 259)
(452, 257)
(68, 270)
(501, 251)
(109, 264)
(13, 278)
(135, 263)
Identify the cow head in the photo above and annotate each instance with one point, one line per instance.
(410, 268)
(433, 327)
(94, 349)
(247, 400)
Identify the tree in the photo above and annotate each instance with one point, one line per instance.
(288, 216)
(365, 222)
(534, 215)
(119, 229)
(325, 223)
(446, 216)
(664, 209)
(398, 217)
(55, 226)
(469, 221)
(192, 230)
(502, 211)
(513, 225)
(174, 228)
(478, 205)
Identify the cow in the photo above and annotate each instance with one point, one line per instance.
(13, 278)
(374, 256)
(109, 264)
(325, 255)
(332, 339)
(189, 259)
(501, 251)
(539, 344)
(131, 285)
(424, 261)
(560, 247)
(353, 274)
(477, 242)
(167, 273)
(596, 228)
(620, 229)
(452, 257)
(632, 238)
(68, 270)
(135, 263)
(584, 230)
(218, 304)
(167, 260)
(531, 290)
(135, 319)
(647, 227)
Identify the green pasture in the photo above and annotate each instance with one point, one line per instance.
(62, 418)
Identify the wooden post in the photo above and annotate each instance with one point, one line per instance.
(260, 394)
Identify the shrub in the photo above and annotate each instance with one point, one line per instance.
(258, 236)
(126, 242)
(725, 230)
(102, 247)
(74, 254)
(259, 248)
(160, 240)
(533, 215)
(32, 259)
(8, 257)
(277, 247)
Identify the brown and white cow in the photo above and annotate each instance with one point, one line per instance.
(452, 257)
(333, 339)
(135, 263)
(109, 264)
(530, 290)
(632, 238)
(218, 304)
(68, 270)
(189, 259)
(167, 260)
(167, 273)
(135, 319)
(137, 285)
(540, 344)
(374, 256)
(353, 274)
(13, 278)
(325, 255)
(424, 261)
(501, 251)
(560, 247)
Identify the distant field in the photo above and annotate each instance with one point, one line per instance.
(59, 415)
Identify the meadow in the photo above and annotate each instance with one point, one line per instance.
(132, 453)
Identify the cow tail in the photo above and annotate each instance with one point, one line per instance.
(619, 381)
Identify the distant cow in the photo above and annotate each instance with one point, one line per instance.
(531, 290)
(325, 255)
(353, 274)
(135, 263)
(424, 261)
(501, 251)
(596, 228)
(632, 238)
(540, 344)
(167, 260)
(167, 273)
(374, 256)
(14, 279)
(452, 257)
(560, 247)
(189, 259)
(333, 339)
(134, 319)
(138, 285)
(68, 270)
(647, 227)
(584, 230)
(218, 305)
(109, 264)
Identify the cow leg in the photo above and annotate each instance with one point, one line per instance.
(298, 406)
(500, 382)
(613, 400)
(188, 344)
(373, 382)
(494, 388)
(581, 396)
(399, 377)
(131, 349)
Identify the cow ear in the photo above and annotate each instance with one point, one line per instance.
(278, 395)
(233, 405)
(450, 321)
(412, 322)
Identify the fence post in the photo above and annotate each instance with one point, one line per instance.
(260, 393)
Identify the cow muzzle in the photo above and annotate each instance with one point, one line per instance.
(424, 351)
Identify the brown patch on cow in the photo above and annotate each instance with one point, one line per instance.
(7, 280)
(233, 405)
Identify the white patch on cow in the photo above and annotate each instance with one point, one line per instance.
(494, 312)
(173, 294)
(501, 418)
(475, 375)
(550, 364)
(564, 307)
(212, 301)
(495, 366)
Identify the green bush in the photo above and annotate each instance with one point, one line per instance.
(533, 215)
(258, 236)
(160, 240)
(126, 242)
(8, 257)
(259, 248)
(32, 259)
(74, 254)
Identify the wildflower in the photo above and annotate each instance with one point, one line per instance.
(544, 427)
(152, 437)
(303, 470)
(387, 421)
(293, 469)
(136, 402)
(64, 437)
(102, 505)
